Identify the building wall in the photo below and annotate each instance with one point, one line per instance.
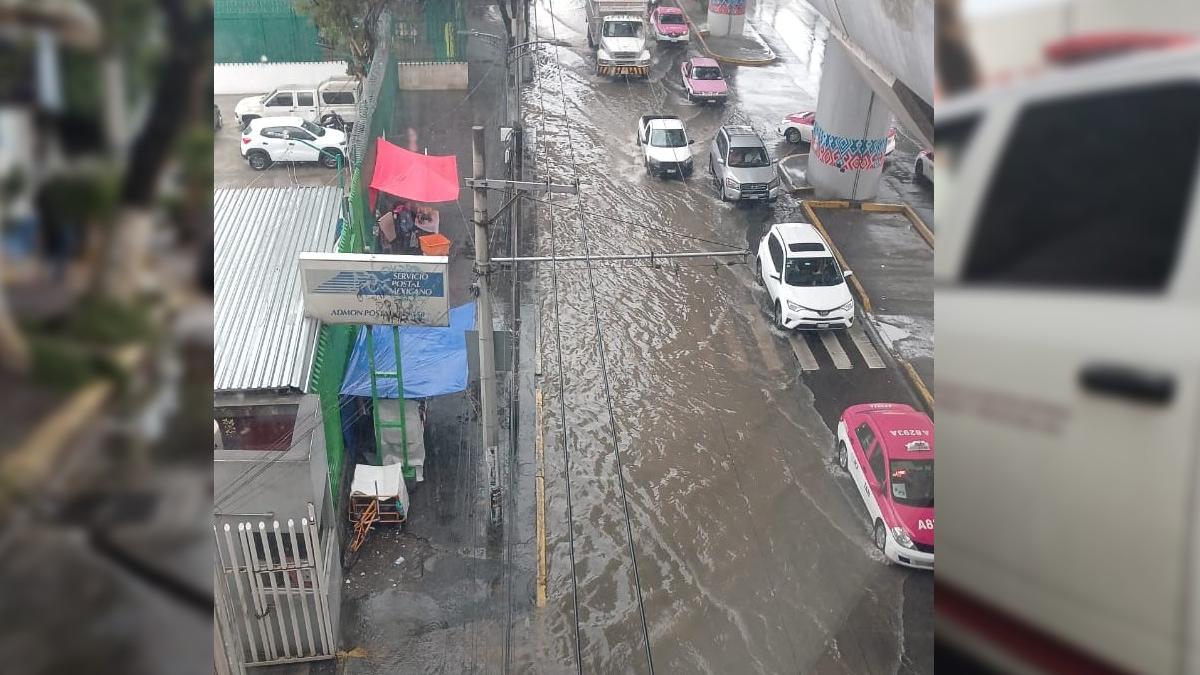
(249, 485)
(261, 78)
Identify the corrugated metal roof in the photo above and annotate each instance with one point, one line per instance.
(263, 341)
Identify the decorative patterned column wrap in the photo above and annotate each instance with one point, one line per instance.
(850, 133)
(726, 17)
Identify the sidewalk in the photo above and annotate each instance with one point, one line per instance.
(748, 49)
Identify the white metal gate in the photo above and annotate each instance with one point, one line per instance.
(274, 589)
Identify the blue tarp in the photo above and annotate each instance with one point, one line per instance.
(434, 359)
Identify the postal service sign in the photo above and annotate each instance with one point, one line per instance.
(394, 290)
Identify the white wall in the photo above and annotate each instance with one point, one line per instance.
(260, 78)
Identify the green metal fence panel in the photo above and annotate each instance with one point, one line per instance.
(432, 31)
(244, 31)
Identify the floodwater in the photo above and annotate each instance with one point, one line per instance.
(752, 553)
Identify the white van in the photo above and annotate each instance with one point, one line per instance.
(1067, 284)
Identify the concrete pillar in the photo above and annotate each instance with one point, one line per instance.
(846, 157)
(726, 17)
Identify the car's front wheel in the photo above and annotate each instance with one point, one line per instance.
(880, 536)
(842, 459)
(258, 159)
(779, 316)
(758, 277)
(330, 159)
(919, 171)
(792, 135)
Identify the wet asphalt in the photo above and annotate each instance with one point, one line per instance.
(753, 552)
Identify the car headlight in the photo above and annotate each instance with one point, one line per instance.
(902, 537)
(794, 307)
(847, 307)
(731, 183)
(773, 183)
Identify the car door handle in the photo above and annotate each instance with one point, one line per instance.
(1144, 386)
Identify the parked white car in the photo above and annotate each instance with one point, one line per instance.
(798, 128)
(327, 103)
(291, 139)
(806, 285)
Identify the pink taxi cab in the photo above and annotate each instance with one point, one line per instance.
(887, 448)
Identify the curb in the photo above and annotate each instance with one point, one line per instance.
(864, 300)
(721, 57)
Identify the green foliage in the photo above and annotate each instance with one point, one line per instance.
(84, 197)
(346, 26)
(107, 322)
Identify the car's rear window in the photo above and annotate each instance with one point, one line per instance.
(1092, 192)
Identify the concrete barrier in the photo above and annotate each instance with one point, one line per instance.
(431, 76)
(260, 78)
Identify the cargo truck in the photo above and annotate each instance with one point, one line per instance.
(617, 31)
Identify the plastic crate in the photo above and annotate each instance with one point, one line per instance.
(435, 244)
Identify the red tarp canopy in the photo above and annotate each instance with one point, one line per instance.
(411, 175)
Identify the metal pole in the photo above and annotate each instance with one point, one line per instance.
(483, 319)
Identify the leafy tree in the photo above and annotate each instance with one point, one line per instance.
(347, 26)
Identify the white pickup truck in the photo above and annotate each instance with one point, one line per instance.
(328, 103)
(666, 148)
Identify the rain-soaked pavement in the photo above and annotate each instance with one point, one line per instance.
(752, 551)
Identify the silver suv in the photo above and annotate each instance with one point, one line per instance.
(741, 167)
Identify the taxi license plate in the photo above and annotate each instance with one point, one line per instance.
(712, 100)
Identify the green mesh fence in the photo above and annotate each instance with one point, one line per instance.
(336, 341)
(244, 31)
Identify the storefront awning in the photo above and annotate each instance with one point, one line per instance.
(411, 175)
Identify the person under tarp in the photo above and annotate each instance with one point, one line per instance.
(411, 181)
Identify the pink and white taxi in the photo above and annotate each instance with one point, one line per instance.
(887, 448)
(669, 25)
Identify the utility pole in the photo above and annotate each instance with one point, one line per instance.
(483, 320)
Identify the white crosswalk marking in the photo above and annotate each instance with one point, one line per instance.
(803, 353)
(865, 347)
(840, 360)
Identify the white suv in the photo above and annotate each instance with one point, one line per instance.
(1068, 359)
(291, 139)
(806, 285)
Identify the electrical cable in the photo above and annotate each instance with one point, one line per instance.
(612, 420)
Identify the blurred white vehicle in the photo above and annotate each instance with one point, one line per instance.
(923, 166)
(1068, 364)
(290, 139)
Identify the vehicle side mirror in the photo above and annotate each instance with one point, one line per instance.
(847, 274)
(720, 160)
(691, 141)
(778, 277)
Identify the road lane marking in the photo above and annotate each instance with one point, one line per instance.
(869, 354)
(803, 354)
(840, 359)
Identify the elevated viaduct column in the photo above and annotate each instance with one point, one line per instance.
(850, 135)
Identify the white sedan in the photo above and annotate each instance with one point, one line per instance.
(806, 285)
(798, 128)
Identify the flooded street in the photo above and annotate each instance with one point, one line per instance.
(753, 551)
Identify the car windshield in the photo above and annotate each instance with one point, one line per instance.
(706, 73)
(809, 272)
(912, 482)
(670, 18)
(312, 128)
(622, 29)
(667, 138)
(748, 158)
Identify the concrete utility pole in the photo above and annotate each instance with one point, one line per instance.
(483, 319)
